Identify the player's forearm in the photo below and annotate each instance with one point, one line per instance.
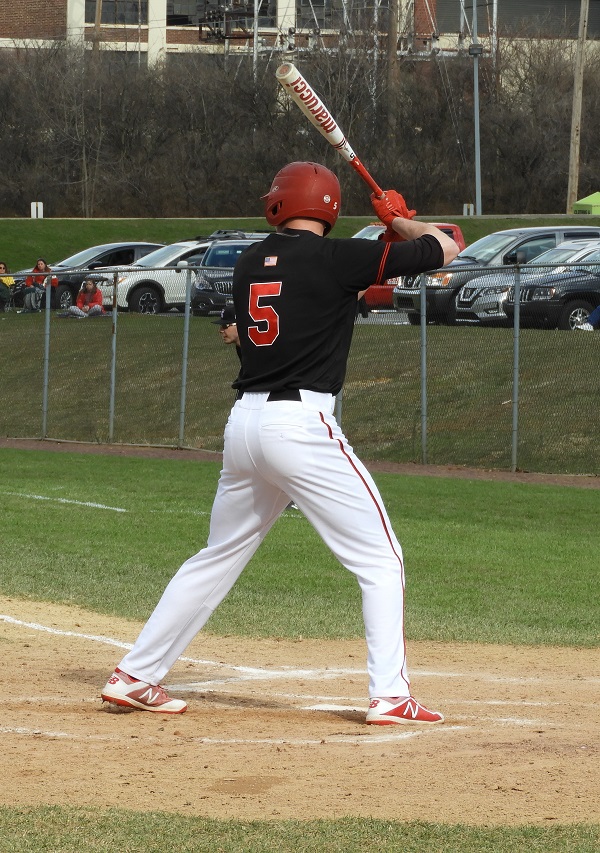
(410, 230)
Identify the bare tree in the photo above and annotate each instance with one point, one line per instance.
(96, 134)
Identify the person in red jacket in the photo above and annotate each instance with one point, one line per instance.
(34, 287)
(89, 301)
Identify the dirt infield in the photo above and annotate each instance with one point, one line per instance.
(275, 728)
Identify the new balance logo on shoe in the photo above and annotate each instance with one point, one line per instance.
(149, 696)
(383, 712)
(121, 689)
(411, 709)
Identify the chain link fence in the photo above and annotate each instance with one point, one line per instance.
(506, 398)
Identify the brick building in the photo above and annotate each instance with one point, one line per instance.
(157, 28)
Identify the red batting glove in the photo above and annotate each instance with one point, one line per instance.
(390, 236)
(390, 206)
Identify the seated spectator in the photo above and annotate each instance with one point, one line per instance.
(6, 282)
(89, 301)
(34, 287)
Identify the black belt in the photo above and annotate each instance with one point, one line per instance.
(275, 396)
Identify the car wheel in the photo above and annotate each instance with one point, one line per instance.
(574, 313)
(146, 300)
(63, 297)
(414, 319)
(201, 311)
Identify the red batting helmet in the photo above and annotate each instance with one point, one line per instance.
(306, 190)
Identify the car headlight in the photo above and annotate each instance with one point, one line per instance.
(543, 293)
(439, 279)
(204, 284)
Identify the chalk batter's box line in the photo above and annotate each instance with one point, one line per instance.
(256, 673)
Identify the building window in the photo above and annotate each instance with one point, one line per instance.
(118, 11)
(352, 15)
(239, 15)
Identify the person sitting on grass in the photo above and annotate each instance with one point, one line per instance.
(34, 287)
(89, 301)
(6, 282)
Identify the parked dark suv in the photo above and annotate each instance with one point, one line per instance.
(515, 245)
(559, 298)
(214, 278)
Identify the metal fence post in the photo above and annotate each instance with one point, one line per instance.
(515, 383)
(423, 371)
(184, 362)
(113, 362)
(48, 288)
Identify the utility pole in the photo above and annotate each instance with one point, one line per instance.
(97, 25)
(576, 114)
(392, 65)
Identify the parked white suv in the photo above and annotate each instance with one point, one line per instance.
(155, 283)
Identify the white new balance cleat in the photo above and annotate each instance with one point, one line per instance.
(585, 327)
(383, 712)
(122, 689)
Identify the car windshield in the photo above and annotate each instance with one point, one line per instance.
(486, 248)
(162, 257)
(593, 257)
(369, 232)
(589, 262)
(81, 259)
(223, 254)
(558, 255)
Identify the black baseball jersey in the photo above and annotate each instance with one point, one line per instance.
(295, 297)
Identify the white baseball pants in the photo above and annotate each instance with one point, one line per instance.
(274, 452)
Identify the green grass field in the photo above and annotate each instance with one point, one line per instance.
(61, 830)
(24, 240)
(457, 536)
(489, 562)
(469, 390)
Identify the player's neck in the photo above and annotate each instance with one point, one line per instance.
(301, 224)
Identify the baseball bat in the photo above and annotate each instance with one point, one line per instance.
(318, 115)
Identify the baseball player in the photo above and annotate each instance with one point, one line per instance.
(295, 299)
(228, 328)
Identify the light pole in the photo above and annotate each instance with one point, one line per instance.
(475, 50)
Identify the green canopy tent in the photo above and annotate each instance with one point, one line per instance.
(589, 204)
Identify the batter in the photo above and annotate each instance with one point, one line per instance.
(295, 296)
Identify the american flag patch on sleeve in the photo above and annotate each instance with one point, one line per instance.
(271, 261)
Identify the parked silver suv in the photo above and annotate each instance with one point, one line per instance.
(515, 245)
(482, 299)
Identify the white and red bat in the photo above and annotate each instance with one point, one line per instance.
(317, 113)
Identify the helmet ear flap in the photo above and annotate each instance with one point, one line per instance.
(275, 208)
